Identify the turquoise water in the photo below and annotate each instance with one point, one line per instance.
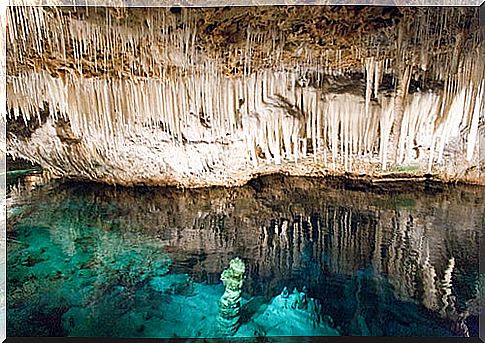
(92, 260)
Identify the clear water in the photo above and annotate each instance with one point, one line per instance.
(92, 260)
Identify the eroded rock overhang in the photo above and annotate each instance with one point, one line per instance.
(214, 96)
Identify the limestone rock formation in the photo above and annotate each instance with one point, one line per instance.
(214, 96)
(230, 302)
(293, 314)
(301, 301)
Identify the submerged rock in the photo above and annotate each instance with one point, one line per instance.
(173, 284)
(230, 302)
(279, 319)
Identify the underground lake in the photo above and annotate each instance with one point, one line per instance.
(382, 259)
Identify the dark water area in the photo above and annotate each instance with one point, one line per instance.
(398, 259)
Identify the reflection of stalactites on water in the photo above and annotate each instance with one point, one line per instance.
(408, 264)
(429, 283)
(334, 240)
(291, 231)
(446, 285)
(339, 240)
(403, 257)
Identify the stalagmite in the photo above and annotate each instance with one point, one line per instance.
(230, 303)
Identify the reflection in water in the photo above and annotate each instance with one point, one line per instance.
(381, 262)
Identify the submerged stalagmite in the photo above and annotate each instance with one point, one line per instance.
(214, 96)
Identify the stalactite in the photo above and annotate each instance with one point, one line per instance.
(477, 109)
(400, 105)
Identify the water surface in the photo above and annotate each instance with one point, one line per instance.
(92, 260)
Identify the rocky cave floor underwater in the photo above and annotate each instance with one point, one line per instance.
(91, 260)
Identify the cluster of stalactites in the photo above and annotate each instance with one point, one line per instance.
(277, 118)
(98, 41)
(276, 113)
(98, 46)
